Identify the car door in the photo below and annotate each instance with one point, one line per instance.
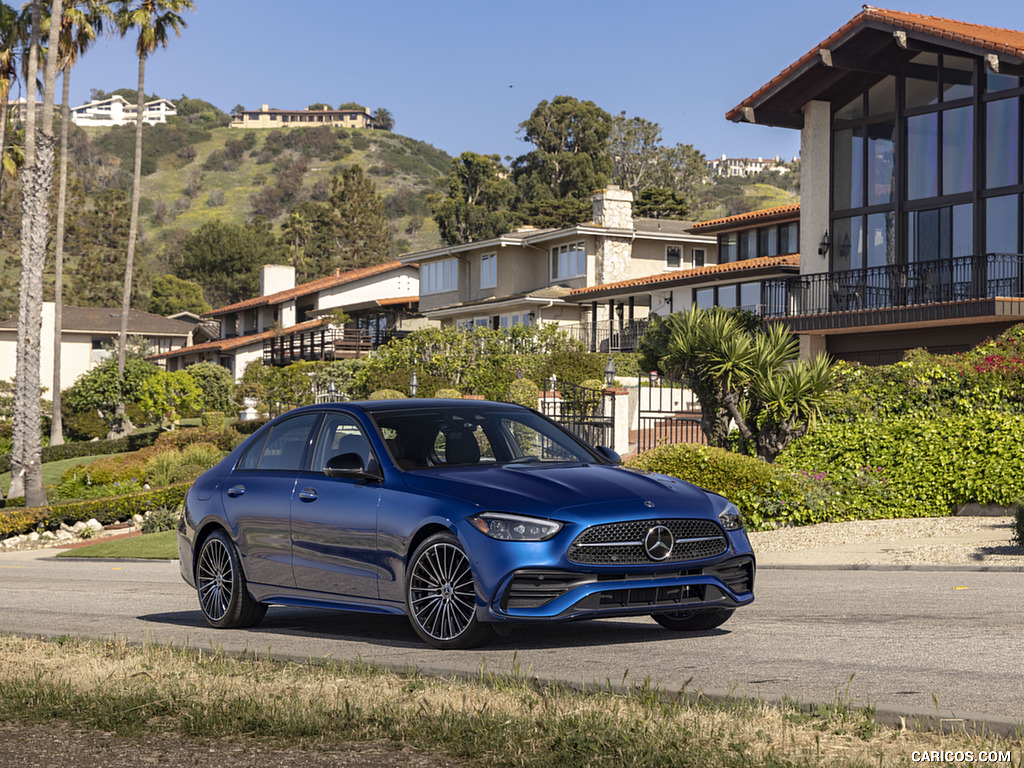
(334, 520)
(257, 499)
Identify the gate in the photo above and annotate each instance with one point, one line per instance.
(587, 413)
(668, 413)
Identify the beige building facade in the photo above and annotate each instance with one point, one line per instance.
(265, 117)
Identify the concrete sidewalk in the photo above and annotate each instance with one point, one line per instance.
(973, 543)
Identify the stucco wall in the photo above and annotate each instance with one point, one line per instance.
(815, 141)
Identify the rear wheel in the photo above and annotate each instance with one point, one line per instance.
(223, 595)
(440, 595)
(693, 621)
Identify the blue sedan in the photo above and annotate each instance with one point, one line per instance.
(461, 515)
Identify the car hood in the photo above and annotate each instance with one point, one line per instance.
(566, 492)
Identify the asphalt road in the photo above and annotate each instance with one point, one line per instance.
(939, 643)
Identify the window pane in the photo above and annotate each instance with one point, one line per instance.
(922, 156)
(923, 236)
(1001, 143)
(957, 78)
(750, 297)
(847, 171)
(287, 443)
(963, 230)
(767, 242)
(788, 239)
(848, 244)
(922, 84)
(881, 163)
(727, 296)
(957, 150)
(1001, 224)
(673, 257)
(748, 244)
(704, 298)
(881, 239)
(852, 110)
(728, 248)
(996, 82)
(882, 97)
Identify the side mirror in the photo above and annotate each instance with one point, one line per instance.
(350, 465)
(608, 454)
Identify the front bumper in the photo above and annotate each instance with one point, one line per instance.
(539, 594)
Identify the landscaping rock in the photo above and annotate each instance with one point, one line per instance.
(63, 535)
(33, 537)
(11, 543)
(95, 524)
(78, 527)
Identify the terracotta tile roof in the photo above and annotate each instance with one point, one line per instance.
(225, 345)
(305, 289)
(992, 39)
(779, 211)
(765, 262)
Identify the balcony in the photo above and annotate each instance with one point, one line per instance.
(323, 343)
(617, 336)
(989, 285)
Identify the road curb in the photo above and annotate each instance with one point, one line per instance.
(890, 568)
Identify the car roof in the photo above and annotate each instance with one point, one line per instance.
(415, 404)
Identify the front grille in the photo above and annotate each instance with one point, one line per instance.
(532, 589)
(623, 543)
(643, 597)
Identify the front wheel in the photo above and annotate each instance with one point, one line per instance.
(223, 595)
(440, 595)
(693, 621)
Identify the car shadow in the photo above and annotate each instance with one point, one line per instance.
(395, 631)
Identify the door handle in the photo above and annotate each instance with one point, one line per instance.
(308, 494)
(236, 490)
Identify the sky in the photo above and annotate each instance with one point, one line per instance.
(463, 75)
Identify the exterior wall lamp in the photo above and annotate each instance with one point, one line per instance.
(825, 244)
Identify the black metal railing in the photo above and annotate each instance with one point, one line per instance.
(318, 344)
(608, 337)
(965, 278)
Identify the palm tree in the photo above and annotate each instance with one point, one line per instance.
(154, 20)
(12, 35)
(382, 118)
(37, 182)
(79, 24)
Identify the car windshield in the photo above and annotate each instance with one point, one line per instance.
(446, 437)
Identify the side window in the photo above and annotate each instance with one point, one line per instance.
(251, 458)
(287, 443)
(339, 434)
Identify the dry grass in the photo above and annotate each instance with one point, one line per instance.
(496, 720)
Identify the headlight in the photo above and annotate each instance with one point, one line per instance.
(730, 518)
(506, 527)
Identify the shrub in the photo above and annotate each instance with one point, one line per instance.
(448, 393)
(248, 427)
(523, 392)
(214, 420)
(160, 519)
(386, 394)
(224, 439)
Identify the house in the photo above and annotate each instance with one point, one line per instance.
(265, 117)
(88, 337)
(528, 276)
(117, 110)
(729, 167)
(752, 248)
(911, 220)
(289, 322)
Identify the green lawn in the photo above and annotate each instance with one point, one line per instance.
(52, 470)
(151, 546)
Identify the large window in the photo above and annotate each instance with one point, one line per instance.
(927, 165)
(488, 270)
(568, 261)
(753, 243)
(734, 296)
(439, 276)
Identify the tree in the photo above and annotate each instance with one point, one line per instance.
(346, 231)
(37, 183)
(477, 199)
(216, 385)
(319, 107)
(169, 394)
(741, 374)
(352, 105)
(101, 389)
(383, 119)
(12, 35)
(153, 20)
(225, 258)
(170, 295)
(79, 23)
(97, 240)
(571, 155)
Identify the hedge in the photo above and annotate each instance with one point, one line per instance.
(930, 467)
(768, 495)
(106, 511)
(93, 448)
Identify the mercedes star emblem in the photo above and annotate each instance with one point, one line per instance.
(658, 542)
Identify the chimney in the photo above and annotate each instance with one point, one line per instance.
(275, 278)
(613, 207)
(266, 108)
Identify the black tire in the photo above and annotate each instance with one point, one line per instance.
(223, 595)
(694, 621)
(440, 595)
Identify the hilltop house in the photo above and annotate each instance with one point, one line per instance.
(289, 322)
(117, 110)
(265, 117)
(912, 182)
(88, 336)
